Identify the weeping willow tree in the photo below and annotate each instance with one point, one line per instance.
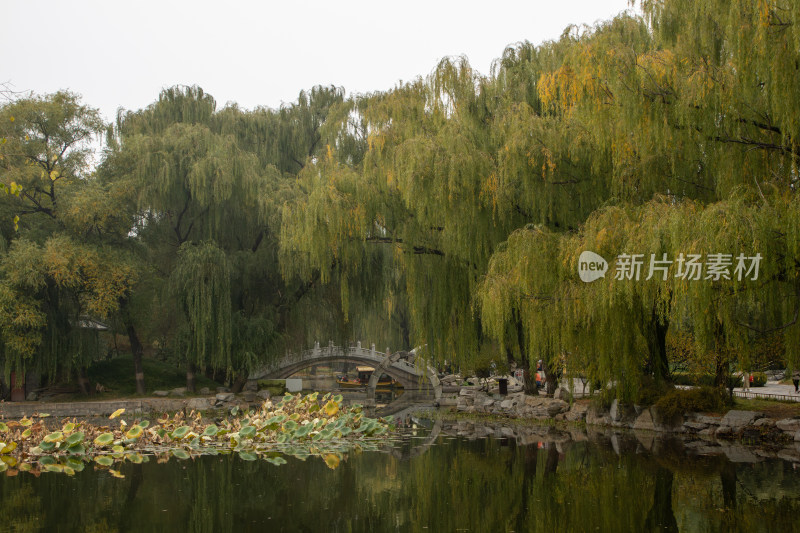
(445, 177)
(197, 176)
(563, 149)
(202, 283)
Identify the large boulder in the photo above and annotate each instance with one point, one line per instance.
(789, 425)
(225, 396)
(199, 404)
(736, 419)
(577, 413)
(645, 421)
(597, 417)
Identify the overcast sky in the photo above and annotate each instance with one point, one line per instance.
(121, 54)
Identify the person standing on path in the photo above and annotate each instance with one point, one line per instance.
(796, 379)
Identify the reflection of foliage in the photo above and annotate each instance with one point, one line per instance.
(298, 426)
(21, 509)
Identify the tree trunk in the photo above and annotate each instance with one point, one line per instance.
(136, 351)
(83, 382)
(551, 379)
(5, 392)
(657, 363)
(191, 385)
(528, 383)
(661, 517)
(239, 383)
(727, 476)
(33, 381)
(551, 465)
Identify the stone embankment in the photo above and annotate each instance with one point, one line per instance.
(733, 425)
(163, 401)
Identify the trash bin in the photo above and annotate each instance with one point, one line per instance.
(503, 382)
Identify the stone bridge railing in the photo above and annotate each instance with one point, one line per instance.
(401, 366)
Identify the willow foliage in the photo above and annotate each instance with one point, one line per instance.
(663, 135)
(202, 283)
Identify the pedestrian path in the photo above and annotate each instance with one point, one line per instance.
(772, 390)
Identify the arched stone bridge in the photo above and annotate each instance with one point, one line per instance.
(401, 366)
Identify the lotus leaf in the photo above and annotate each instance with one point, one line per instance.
(104, 440)
(118, 448)
(290, 425)
(68, 471)
(75, 463)
(47, 446)
(144, 424)
(116, 474)
(104, 460)
(68, 428)
(338, 398)
(54, 468)
(303, 430)
(3, 427)
(77, 449)
(135, 458)
(277, 419)
(180, 454)
(8, 448)
(210, 431)
(10, 461)
(248, 456)
(47, 460)
(116, 413)
(26, 434)
(75, 438)
(25, 422)
(276, 460)
(247, 432)
(135, 432)
(331, 408)
(332, 461)
(195, 442)
(56, 436)
(181, 432)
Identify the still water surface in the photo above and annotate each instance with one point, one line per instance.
(425, 483)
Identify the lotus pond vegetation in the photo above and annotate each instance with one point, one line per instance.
(297, 425)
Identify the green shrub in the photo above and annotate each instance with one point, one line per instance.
(650, 391)
(759, 379)
(678, 402)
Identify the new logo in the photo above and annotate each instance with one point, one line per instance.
(591, 266)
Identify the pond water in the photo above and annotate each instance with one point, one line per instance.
(451, 477)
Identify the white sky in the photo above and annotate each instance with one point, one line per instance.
(118, 53)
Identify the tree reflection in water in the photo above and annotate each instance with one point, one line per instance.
(483, 484)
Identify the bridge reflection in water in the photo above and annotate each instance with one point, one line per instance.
(419, 379)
